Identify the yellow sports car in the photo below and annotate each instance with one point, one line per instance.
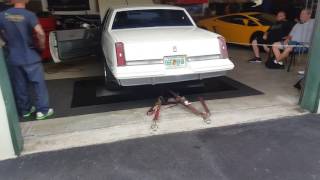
(239, 27)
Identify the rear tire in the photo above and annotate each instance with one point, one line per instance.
(110, 81)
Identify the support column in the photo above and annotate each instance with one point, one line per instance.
(10, 131)
(6, 146)
(311, 92)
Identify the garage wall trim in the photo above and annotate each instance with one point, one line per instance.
(10, 131)
(6, 146)
(311, 94)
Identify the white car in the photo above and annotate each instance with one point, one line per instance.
(148, 45)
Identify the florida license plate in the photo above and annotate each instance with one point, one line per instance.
(175, 61)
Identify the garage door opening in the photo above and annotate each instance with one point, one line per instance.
(89, 113)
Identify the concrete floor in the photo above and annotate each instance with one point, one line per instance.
(280, 100)
(282, 149)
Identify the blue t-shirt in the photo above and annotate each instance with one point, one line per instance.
(17, 25)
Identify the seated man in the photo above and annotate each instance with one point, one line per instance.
(298, 40)
(276, 33)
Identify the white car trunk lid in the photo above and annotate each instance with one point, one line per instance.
(154, 44)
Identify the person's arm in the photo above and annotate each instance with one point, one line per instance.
(287, 39)
(291, 34)
(41, 36)
(265, 35)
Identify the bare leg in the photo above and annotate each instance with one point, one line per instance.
(285, 54)
(266, 48)
(255, 48)
(276, 50)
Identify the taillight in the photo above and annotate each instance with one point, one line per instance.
(223, 48)
(121, 57)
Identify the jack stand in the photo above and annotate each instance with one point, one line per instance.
(155, 110)
(205, 115)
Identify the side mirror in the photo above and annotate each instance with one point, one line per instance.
(245, 22)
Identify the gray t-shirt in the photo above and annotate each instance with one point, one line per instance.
(302, 32)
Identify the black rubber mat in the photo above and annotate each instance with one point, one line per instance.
(93, 92)
(80, 96)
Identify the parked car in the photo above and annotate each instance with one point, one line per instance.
(149, 45)
(239, 27)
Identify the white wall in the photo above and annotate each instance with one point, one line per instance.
(6, 146)
(105, 4)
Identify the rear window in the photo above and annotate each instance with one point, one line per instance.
(150, 18)
(265, 19)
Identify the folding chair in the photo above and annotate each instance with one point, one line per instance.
(291, 60)
(293, 54)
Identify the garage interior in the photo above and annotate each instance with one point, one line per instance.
(280, 99)
(256, 94)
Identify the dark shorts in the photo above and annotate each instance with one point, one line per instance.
(260, 40)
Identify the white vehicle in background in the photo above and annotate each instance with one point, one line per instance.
(148, 45)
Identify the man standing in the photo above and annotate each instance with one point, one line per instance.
(17, 25)
(298, 40)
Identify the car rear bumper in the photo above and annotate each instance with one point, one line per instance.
(158, 74)
(168, 79)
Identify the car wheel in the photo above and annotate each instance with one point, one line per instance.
(99, 55)
(109, 80)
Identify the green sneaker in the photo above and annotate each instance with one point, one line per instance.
(41, 116)
(30, 113)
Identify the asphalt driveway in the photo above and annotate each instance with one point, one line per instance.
(284, 149)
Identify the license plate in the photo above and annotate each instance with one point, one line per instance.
(175, 61)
